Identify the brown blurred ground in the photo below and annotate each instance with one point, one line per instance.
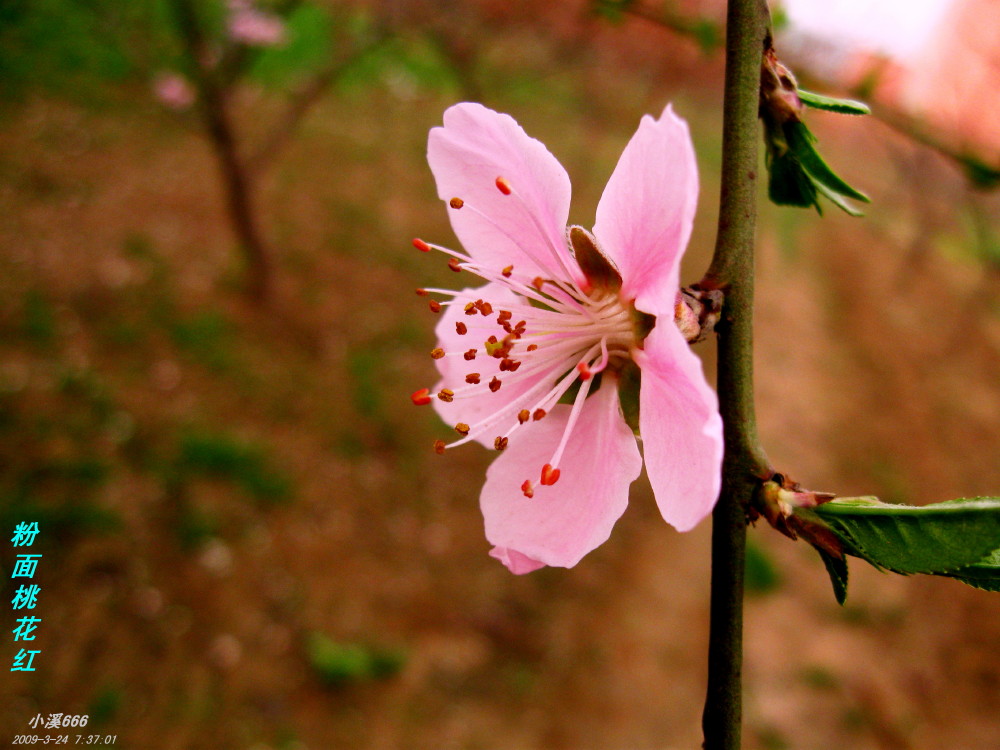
(187, 624)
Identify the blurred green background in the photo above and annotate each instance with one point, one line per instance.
(247, 540)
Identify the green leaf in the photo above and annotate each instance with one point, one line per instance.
(613, 10)
(341, 664)
(830, 104)
(707, 34)
(789, 185)
(407, 62)
(943, 538)
(980, 174)
(801, 141)
(836, 568)
(985, 574)
(837, 200)
(761, 575)
(309, 47)
(798, 174)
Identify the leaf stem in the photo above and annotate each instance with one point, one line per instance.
(744, 464)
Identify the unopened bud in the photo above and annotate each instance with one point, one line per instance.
(779, 97)
(696, 311)
(779, 497)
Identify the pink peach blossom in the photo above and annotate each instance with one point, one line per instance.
(255, 28)
(173, 91)
(565, 308)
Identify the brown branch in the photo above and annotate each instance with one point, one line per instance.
(744, 463)
(236, 180)
(301, 103)
(979, 172)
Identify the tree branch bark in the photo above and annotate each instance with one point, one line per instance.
(732, 271)
(236, 180)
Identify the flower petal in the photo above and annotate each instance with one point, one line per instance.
(566, 520)
(680, 426)
(645, 216)
(524, 229)
(482, 402)
(516, 563)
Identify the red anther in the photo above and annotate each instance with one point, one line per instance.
(532, 347)
(514, 364)
(439, 447)
(503, 186)
(549, 475)
(421, 245)
(422, 292)
(461, 329)
(472, 377)
(504, 316)
(470, 355)
(495, 384)
(539, 414)
(437, 353)
(523, 416)
(527, 489)
(456, 203)
(421, 397)
(584, 369)
(500, 443)
(486, 308)
(462, 429)
(447, 395)
(470, 308)
(453, 264)
(434, 305)
(509, 364)
(507, 272)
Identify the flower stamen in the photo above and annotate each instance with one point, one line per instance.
(563, 335)
(549, 475)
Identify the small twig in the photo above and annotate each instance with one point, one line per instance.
(300, 105)
(703, 30)
(296, 111)
(980, 172)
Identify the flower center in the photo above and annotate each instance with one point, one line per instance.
(528, 345)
